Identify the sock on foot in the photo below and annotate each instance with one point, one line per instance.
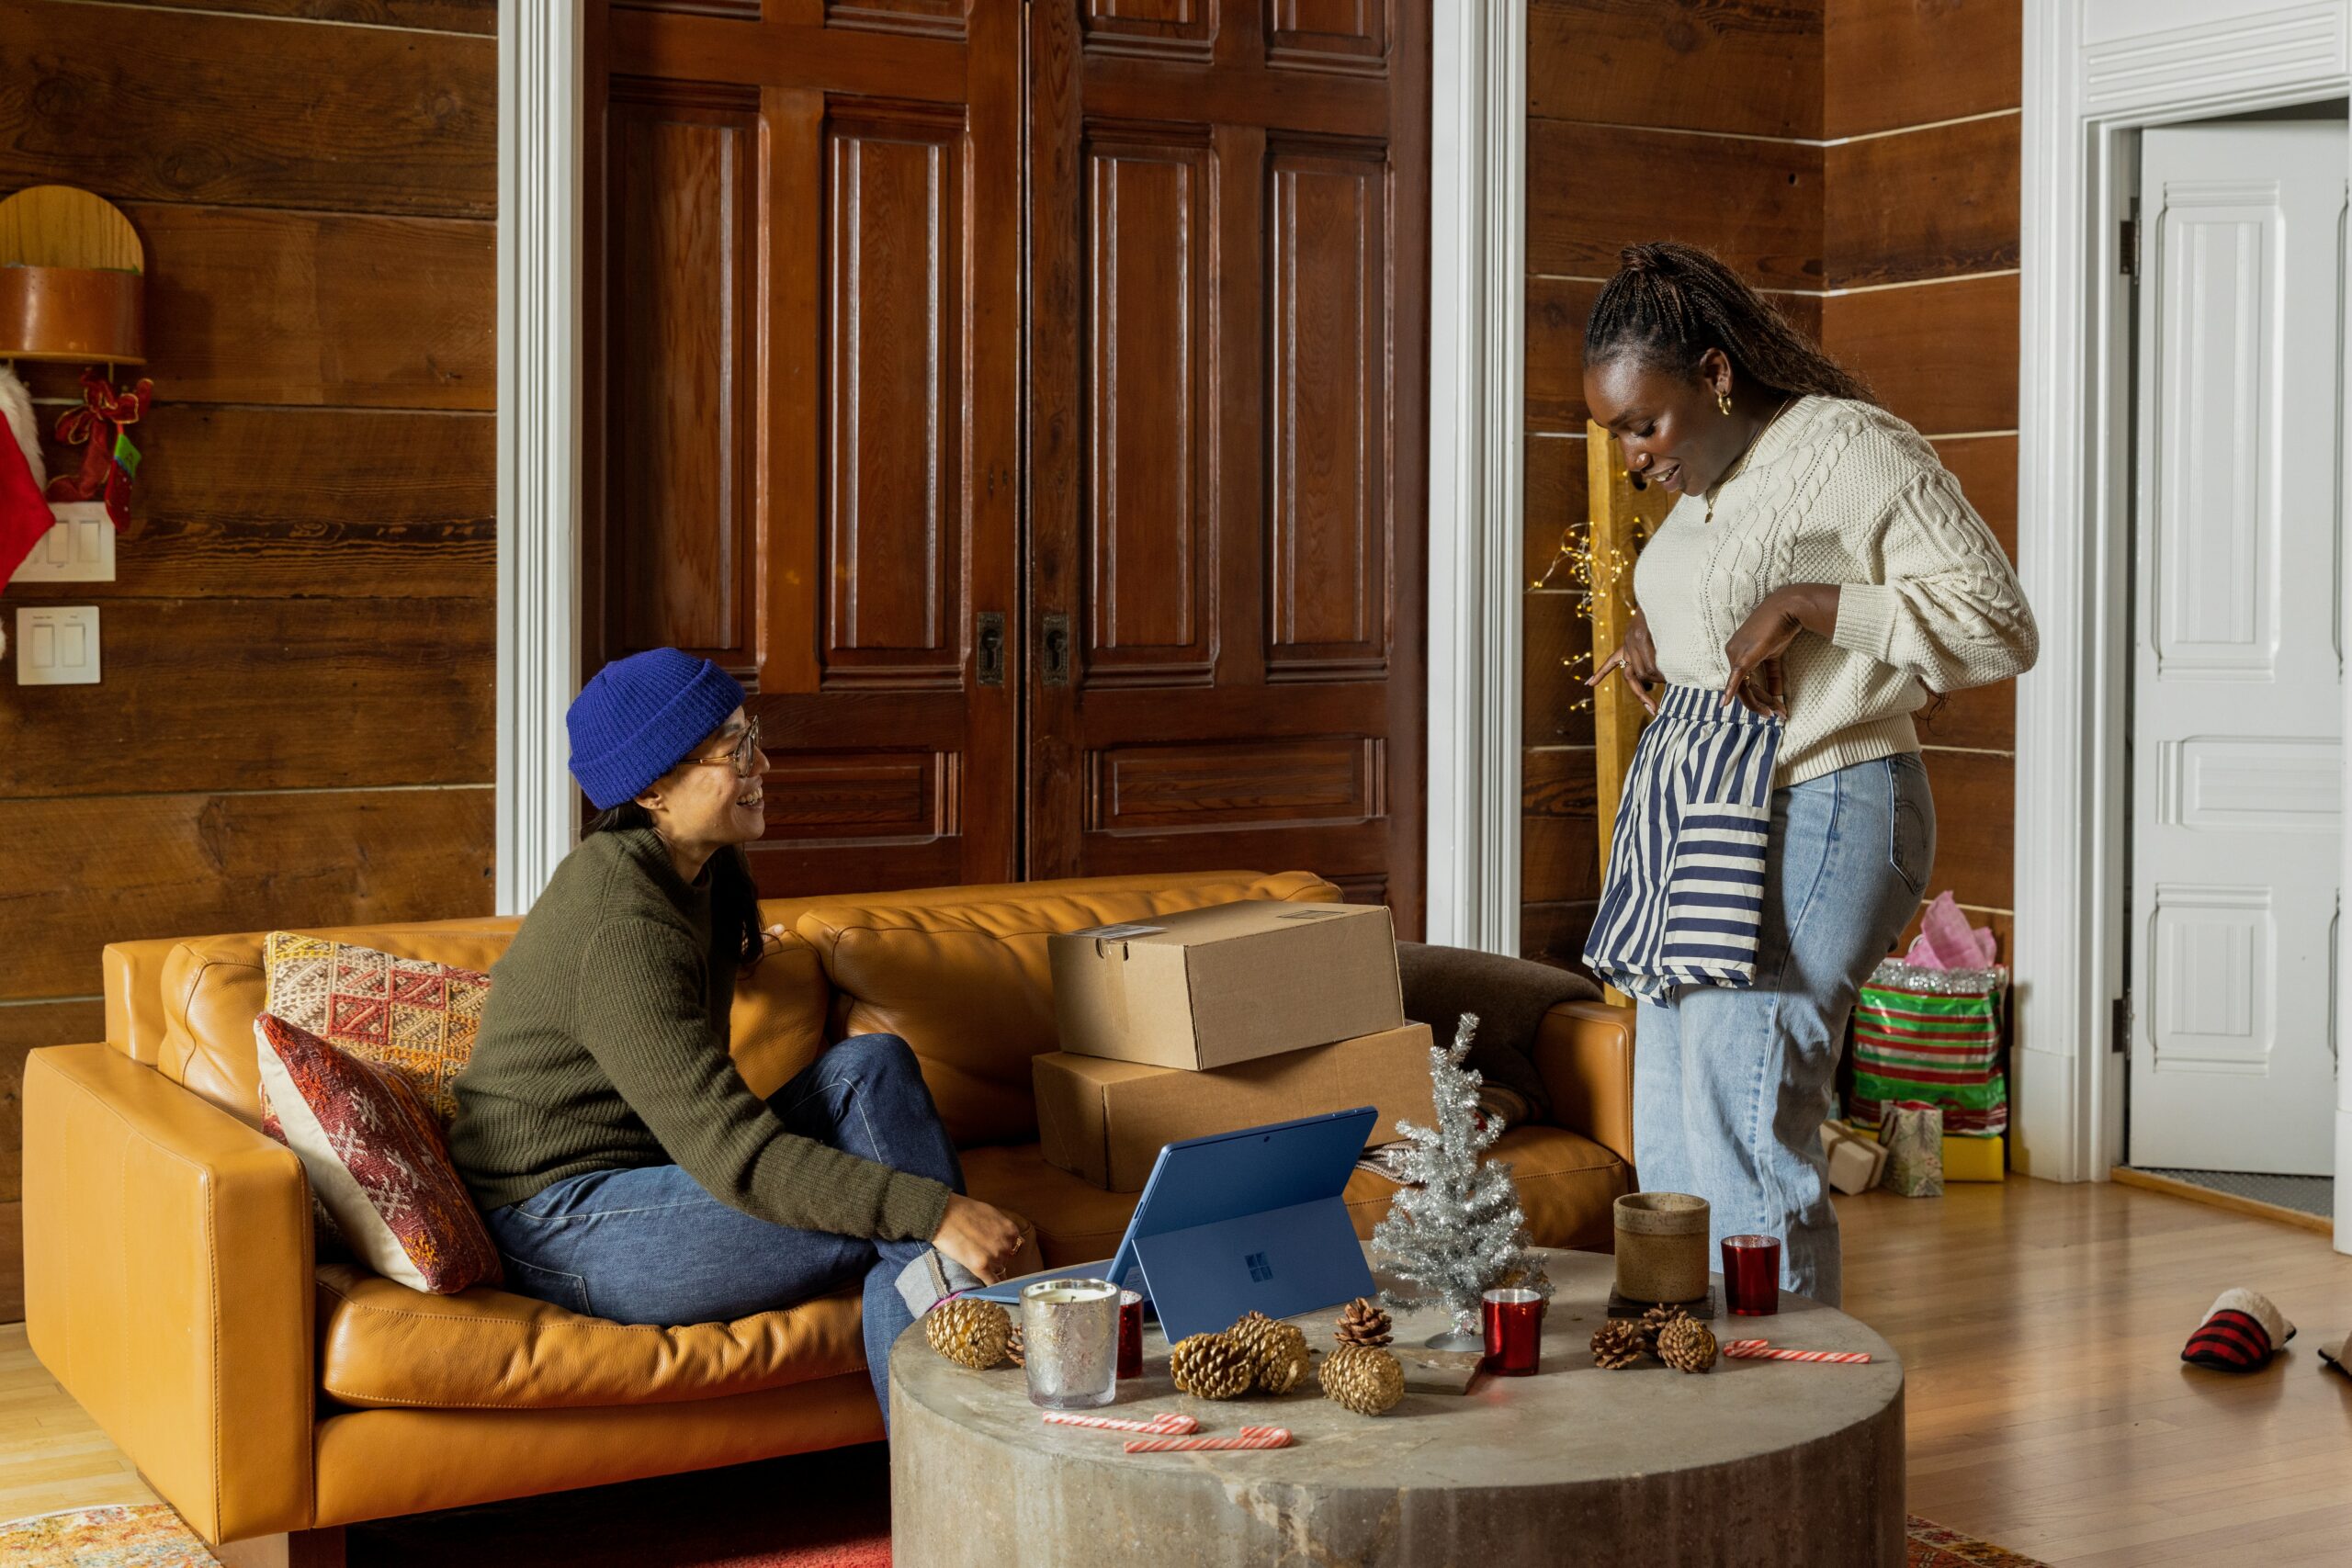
(932, 1279)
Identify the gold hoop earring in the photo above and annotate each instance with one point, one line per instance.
(1722, 401)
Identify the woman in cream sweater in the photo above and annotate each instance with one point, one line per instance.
(1820, 578)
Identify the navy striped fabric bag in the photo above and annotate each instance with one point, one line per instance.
(1684, 900)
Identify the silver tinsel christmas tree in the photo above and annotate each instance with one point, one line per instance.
(1456, 1226)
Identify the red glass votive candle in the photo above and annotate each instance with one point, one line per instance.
(1752, 1275)
(1130, 1334)
(1514, 1332)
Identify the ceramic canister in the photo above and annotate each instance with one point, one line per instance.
(1661, 1246)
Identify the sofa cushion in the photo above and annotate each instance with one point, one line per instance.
(384, 1345)
(411, 1015)
(375, 1157)
(212, 989)
(970, 988)
(1567, 1182)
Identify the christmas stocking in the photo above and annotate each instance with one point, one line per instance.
(2239, 1334)
(24, 515)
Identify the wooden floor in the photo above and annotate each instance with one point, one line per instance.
(2040, 1328)
(2049, 1409)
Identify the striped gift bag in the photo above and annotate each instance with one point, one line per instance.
(1932, 1035)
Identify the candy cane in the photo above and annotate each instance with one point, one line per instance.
(1763, 1350)
(1266, 1438)
(1170, 1423)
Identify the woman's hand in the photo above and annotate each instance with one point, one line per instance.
(984, 1239)
(1755, 649)
(1636, 658)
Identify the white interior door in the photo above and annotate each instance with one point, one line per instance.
(2238, 661)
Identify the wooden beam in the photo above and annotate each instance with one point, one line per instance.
(1623, 521)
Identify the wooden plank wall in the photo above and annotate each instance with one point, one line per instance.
(1920, 103)
(1860, 160)
(1698, 123)
(294, 722)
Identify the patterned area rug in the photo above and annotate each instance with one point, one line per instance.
(150, 1536)
(1932, 1546)
(602, 1526)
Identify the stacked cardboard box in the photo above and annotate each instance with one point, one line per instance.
(1211, 1020)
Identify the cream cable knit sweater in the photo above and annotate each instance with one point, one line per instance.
(1843, 492)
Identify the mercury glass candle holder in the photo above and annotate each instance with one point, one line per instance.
(1070, 1341)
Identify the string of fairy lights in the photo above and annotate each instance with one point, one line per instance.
(1590, 574)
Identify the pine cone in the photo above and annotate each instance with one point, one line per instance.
(1535, 1279)
(1281, 1359)
(1655, 1322)
(1014, 1350)
(967, 1332)
(1617, 1343)
(1362, 1324)
(1687, 1345)
(1211, 1366)
(1367, 1381)
(1277, 1351)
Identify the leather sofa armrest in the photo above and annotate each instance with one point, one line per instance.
(1585, 1050)
(168, 1285)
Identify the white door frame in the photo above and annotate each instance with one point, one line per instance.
(2095, 73)
(539, 73)
(1477, 496)
(1477, 322)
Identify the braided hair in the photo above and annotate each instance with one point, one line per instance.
(1670, 303)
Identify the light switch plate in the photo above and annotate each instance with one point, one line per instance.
(57, 646)
(78, 548)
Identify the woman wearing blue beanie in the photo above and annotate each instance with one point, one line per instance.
(618, 1159)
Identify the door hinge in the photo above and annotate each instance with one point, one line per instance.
(2129, 246)
(2120, 1026)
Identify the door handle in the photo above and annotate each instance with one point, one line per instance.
(1056, 637)
(989, 652)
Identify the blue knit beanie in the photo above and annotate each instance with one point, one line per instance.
(638, 717)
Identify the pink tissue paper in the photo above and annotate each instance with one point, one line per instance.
(1946, 940)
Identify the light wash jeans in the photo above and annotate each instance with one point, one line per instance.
(650, 1245)
(1731, 1087)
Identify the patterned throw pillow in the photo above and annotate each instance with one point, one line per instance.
(376, 1160)
(418, 1018)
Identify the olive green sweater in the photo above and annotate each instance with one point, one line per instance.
(603, 1047)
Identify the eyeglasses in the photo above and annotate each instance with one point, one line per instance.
(743, 758)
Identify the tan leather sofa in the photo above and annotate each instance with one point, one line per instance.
(171, 1284)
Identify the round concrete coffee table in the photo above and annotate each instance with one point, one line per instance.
(1763, 1463)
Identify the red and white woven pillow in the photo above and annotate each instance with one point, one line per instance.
(374, 1154)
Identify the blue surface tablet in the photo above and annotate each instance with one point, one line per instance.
(1254, 1218)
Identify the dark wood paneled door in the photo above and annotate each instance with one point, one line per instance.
(1228, 212)
(804, 222)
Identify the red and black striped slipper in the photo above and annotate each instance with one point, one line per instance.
(2239, 1334)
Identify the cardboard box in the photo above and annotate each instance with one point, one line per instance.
(1104, 1121)
(1209, 987)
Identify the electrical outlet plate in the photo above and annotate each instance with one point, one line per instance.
(57, 646)
(78, 548)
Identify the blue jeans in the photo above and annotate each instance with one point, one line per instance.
(1731, 1087)
(650, 1245)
